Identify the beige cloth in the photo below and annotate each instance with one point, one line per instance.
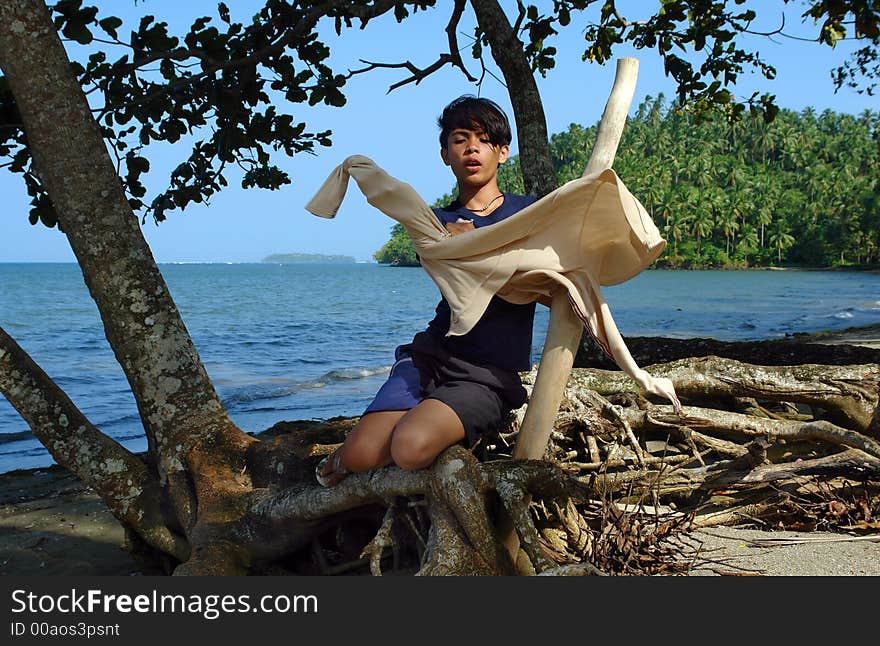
(587, 233)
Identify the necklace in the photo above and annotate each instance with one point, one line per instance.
(487, 205)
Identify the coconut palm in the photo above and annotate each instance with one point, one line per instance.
(748, 241)
(780, 238)
(677, 226)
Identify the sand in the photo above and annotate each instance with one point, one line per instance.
(52, 524)
(867, 336)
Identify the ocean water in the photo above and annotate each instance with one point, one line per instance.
(312, 341)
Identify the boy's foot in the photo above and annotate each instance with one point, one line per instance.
(330, 471)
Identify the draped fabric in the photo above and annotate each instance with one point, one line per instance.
(587, 233)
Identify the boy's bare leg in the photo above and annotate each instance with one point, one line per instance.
(423, 433)
(411, 439)
(367, 446)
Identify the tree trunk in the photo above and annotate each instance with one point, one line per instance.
(176, 400)
(199, 451)
(119, 477)
(528, 110)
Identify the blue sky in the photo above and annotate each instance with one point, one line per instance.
(398, 131)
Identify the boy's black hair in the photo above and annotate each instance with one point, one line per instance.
(473, 113)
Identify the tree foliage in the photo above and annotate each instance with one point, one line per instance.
(399, 250)
(226, 87)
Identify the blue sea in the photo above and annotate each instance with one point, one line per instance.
(313, 341)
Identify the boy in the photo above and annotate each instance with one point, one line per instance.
(443, 390)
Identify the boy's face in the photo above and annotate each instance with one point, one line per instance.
(473, 159)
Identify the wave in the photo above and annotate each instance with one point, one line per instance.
(327, 379)
(26, 436)
(353, 373)
(16, 437)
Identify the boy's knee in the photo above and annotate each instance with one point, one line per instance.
(410, 451)
(361, 455)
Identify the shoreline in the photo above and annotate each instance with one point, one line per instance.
(867, 336)
(853, 270)
(872, 269)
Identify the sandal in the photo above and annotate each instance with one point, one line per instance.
(336, 473)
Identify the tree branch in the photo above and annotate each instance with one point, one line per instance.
(850, 392)
(302, 27)
(714, 420)
(454, 50)
(420, 74)
(119, 477)
(315, 503)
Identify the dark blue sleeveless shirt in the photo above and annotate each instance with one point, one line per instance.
(503, 335)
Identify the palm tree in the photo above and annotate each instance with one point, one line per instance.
(765, 217)
(677, 223)
(727, 220)
(701, 222)
(748, 241)
(780, 239)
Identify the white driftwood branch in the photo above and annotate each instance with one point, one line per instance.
(565, 329)
(563, 336)
(614, 118)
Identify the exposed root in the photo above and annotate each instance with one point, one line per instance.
(383, 540)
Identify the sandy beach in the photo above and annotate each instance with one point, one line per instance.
(867, 336)
(52, 524)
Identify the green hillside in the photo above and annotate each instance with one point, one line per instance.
(803, 190)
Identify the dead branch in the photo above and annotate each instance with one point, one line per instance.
(850, 392)
(713, 421)
(376, 547)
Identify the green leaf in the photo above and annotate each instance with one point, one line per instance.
(138, 164)
(48, 218)
(110, 25)
(78, 32)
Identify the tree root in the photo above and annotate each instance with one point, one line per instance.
(376, 547)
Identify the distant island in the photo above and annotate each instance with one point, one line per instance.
(290, 258)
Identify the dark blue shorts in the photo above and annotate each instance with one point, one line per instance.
(402, 390)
